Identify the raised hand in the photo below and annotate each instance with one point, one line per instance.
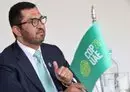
(63, 74)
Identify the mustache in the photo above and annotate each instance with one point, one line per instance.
(41, 30)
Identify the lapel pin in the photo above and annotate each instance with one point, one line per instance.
(49, 64)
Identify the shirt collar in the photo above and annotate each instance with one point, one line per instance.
(27, 49)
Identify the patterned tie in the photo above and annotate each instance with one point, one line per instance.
(43, 74)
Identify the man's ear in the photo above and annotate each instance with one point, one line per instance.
(16, 30)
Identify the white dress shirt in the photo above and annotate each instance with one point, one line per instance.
(29, 53)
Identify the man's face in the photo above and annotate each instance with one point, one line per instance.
(32, 34)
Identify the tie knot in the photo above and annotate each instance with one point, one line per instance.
(37, 54)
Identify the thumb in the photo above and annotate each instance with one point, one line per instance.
(55, 65)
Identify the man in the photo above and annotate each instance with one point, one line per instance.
(20, 68)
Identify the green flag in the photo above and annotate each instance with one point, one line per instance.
(91, 58)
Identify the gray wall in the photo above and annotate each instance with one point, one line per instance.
(68, 20)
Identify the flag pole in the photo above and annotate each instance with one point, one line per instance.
(93, 16)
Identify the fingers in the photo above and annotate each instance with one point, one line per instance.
(55, 66)
(76, 87)
(79, 86)
(63, 73)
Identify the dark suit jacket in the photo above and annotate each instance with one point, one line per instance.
(18, 75)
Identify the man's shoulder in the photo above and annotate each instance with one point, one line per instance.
(6, 56)
(49, 46)
(8, 49)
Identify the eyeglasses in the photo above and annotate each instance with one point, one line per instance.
(35, 21)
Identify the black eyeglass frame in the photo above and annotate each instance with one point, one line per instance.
(32, 20)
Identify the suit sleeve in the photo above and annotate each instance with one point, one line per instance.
(8, 80)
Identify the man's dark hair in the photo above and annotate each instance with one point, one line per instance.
(15, 15)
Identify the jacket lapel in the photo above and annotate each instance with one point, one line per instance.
(27, 67)
(49, 63)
